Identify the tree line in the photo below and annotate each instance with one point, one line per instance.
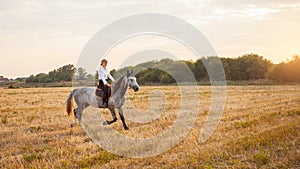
(168, 71)
(63, 74)
(286, 72)
(246, 67)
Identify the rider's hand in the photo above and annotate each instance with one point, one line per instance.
(108, 85)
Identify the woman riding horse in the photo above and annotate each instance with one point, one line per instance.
(85, 97)
(103, 75)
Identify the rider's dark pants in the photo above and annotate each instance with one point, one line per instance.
(104, 88)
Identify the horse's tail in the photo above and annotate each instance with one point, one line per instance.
(70, 103)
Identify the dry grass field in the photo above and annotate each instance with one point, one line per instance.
(260, 128)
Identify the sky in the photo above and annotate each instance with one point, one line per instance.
(41, 35)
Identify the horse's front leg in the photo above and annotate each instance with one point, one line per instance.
(122, 118)
(113, 114)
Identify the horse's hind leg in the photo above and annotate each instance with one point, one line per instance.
(77, 116)
(113, 114)
(79, 113)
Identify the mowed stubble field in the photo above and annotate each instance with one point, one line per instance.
(259, 129)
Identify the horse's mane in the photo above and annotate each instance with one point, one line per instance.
(117, 84)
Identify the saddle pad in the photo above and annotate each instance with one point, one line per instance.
(99, 92)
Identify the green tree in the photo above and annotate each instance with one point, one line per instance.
(53, 76)
(81, 74)
(90, 77)
(150, 75)
(215, 69)
(66, 72)
(32, 79)
(181, 71)
(253, 66)
(42, 77)
(199, 70)
(166, 78)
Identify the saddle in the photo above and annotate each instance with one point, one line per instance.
(99, 92)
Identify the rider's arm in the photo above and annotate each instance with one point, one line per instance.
(110, 77)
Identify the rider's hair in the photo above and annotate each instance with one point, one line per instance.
(103, 61)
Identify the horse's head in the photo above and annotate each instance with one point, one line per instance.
(132, 83)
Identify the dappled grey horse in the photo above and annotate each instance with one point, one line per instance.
(85, 97)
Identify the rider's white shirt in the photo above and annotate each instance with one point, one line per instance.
(103, 74)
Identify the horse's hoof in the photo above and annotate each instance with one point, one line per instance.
(105, 105)
(72, 125)
(105, 123)
(126, 128)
